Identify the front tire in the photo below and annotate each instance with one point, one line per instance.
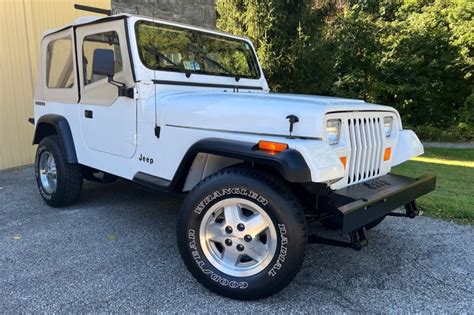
(59, 182)
(241, 233)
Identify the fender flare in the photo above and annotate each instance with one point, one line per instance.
(55, 124)
(290, 164)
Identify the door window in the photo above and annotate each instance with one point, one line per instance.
(107, 40)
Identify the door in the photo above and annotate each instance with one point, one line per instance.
(108, 122)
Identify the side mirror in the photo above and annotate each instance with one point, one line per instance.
(104, 63)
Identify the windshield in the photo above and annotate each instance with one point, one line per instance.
(168, 48)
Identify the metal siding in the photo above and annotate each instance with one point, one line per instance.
(22, 22)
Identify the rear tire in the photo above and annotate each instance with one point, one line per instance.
(59, 182)
(241, 233)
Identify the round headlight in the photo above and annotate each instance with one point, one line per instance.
(387, 126)
(333, 131)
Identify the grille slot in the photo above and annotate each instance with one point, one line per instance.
(367, 142)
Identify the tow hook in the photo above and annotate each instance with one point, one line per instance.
(359, 238)
(411, 211)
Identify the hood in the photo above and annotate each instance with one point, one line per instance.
(255, 113)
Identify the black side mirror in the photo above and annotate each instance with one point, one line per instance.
(104, 63)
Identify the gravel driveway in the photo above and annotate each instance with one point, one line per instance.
(116, 251)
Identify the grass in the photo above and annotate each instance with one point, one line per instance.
(453, 199)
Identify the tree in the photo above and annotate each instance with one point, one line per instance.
(283, 32)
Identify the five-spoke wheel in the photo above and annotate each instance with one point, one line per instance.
(47, 172)
(238, 237)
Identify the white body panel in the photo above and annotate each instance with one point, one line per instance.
(255, 113)
(123, 132)
(113, 127)
(408, 146)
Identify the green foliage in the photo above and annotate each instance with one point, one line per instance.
(462, 132)
(425, 72)
(284, 35)
(357, 54)
(415, 55)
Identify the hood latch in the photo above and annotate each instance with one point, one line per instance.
(293, 119)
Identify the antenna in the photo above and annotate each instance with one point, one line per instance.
(92, 9)
(154, 77)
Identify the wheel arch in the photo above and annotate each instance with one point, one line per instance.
(53, 124)
(289, 164)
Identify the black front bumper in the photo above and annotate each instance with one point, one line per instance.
(360, 204)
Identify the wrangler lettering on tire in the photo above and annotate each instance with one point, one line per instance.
(241, 233)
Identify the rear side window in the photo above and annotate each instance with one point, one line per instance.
(59, 64)
(108, 40)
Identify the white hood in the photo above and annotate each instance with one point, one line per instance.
(255, 113)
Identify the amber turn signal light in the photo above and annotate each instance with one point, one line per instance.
(272, 146)
(344, 161)
(387, 154)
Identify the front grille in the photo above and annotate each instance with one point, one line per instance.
(367, 142)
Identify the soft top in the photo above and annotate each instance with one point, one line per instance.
(84, 20)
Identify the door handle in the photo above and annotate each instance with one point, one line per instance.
(88, 114)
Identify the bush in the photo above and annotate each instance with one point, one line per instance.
(459, 133)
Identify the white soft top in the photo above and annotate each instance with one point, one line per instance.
(85, 20)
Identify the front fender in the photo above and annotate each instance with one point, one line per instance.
(290, 164)
(324, 163)
(408, 146)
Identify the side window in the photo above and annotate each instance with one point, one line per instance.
(59, 64)
(108, 40)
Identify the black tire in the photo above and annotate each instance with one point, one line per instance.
(68, 176)
(285, 213)
(374, 223)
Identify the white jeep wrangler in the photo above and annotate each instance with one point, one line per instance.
(180, 109)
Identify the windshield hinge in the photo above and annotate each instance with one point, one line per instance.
(157, 131)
